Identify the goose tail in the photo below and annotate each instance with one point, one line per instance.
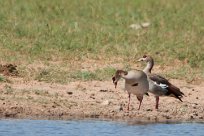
(175, 91)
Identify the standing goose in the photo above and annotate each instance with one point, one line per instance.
(135, 83)
(158, 85)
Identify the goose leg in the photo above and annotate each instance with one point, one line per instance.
(157, 102)
(140, 100)
(128, 101)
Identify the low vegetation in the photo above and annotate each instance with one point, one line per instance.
(67, 31)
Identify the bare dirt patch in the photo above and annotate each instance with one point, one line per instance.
(8, 69)
(95, 99)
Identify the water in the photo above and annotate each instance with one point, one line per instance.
(95, 128)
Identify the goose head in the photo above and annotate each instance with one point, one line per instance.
(150, 63)
(118, 75)
(145, 58)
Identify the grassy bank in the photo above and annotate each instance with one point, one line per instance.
(66, 31)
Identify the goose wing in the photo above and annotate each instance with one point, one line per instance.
(158, 79)
(172, 89)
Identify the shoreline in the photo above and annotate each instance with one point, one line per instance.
(129, 121)
(97, 100)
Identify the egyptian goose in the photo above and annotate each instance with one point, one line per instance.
(158, 85)
(135, 83)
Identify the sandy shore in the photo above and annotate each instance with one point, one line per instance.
(95, 99)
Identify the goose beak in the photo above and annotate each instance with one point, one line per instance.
(141, 59)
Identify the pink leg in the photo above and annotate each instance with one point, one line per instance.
(140, 100)
(157, 102)
(128, 102)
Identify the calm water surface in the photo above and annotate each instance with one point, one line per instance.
(95, 128)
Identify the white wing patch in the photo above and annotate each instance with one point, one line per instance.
(164, 86)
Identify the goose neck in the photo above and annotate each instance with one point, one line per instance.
(149, 66)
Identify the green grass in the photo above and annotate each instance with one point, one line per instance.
(98, 74)
(8, 90)
(2, 79)
(88, 29)
(183, 73)
(62, 76)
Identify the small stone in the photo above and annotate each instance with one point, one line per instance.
(92, 97)
(193, 89)
(168, 117)
(94, 115)
(195, 114)
(118, 108)
(166, 111)
(149, 110)
(53, 106)
(145, 25)
(185, 105)
(70, 93)
(196, 97)
(126, 113)
(200, 117)
(106, 102)
(92, 94)
(194, 107)
(103, 90)
(135, 26)
(112, 111)
(121, 108)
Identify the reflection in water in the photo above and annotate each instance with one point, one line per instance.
(93, 128)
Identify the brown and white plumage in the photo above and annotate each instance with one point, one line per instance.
(159, 85)
(135, 83)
